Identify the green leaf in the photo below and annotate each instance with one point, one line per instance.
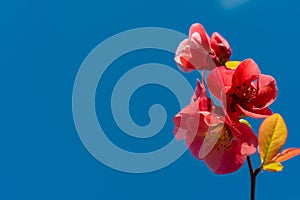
(271, 137)
(273, 167)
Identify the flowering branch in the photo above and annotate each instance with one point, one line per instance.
(220, 135)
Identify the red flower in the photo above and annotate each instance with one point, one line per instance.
(195, 52)
(234, 144)
(200, 52)
(210, 137)
(247, 91)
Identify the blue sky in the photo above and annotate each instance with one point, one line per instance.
(42, 47)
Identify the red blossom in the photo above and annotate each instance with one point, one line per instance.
(194, 52)
(211, 137)
(245, 90)
(201, 52)
(232, 148)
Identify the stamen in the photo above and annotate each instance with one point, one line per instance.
(225, 139)
(242, 95)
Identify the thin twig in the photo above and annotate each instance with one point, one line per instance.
(253, 174)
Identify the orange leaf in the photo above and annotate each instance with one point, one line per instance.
(286, 154)
(271, 137)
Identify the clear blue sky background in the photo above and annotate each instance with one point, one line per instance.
(43, 44)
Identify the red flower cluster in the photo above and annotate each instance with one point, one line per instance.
(217, 134)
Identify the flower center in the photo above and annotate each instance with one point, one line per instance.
(225, 139)
(242, 95)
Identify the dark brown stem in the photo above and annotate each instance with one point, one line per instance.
(253, 174)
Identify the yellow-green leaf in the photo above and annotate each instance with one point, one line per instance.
(271, 137)
(243, 121)
(287, 154)
(232, 64)
(273, 167)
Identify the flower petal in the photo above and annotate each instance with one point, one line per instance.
(220, 45)
(190, 56)
(186, 121)
(246, 72)
(244, 143)
(200, 91)
(267, 91)
(247, 139)
(219, 81)
(195, 143)
(224, 162)
(256, 113)
(198, 33)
